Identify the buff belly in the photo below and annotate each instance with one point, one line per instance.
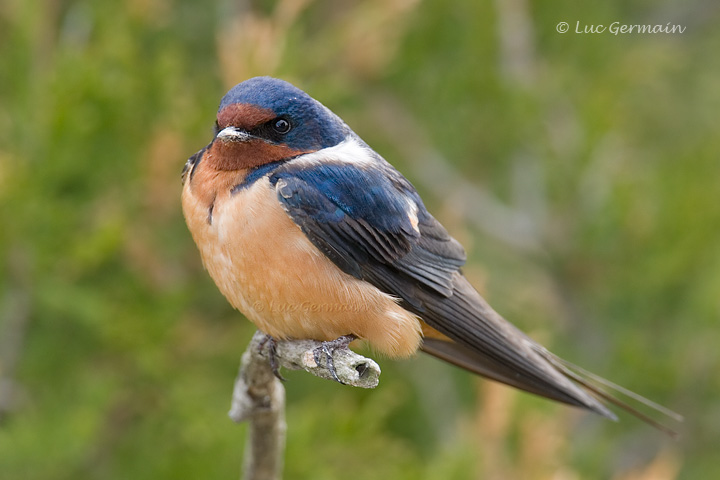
(268, 269)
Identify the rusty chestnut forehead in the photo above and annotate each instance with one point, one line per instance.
(261, 99)
(244, 115)
(266, 93)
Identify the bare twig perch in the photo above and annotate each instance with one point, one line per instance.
(259, 396)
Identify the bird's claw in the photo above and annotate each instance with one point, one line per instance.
(272, 354)
(328, 348)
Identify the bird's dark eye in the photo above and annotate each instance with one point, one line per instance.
(281, 125)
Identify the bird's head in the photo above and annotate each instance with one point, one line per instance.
(263, 120)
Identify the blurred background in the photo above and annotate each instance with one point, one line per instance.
(580, 171)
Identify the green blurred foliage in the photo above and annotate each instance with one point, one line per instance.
(118, 351)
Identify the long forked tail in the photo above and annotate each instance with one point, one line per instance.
(599, 387)
(604, 391)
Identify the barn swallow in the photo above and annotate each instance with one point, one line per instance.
(311, 234)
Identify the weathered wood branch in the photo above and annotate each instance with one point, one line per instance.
(259, 397)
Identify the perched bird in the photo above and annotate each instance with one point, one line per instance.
(313, 235)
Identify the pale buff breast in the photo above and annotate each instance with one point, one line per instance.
(268, 269)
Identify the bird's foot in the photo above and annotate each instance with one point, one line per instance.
(272, 354)
(328, 348)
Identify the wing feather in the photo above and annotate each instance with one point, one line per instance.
(370, 221)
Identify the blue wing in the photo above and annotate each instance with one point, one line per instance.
(372, 224)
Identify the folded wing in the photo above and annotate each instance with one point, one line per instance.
(370, 221)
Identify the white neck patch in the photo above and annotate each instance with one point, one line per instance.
(349, 151)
